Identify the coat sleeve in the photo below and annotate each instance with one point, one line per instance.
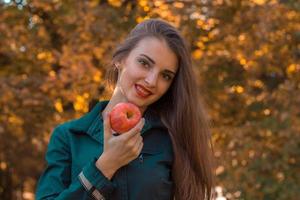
(55, 182)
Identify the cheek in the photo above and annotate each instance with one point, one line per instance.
(127, 77)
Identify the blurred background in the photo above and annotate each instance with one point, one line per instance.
(53, 58)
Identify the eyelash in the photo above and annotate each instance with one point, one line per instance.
(146, 65)
(167, 77)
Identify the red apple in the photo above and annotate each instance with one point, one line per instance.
(124, 116)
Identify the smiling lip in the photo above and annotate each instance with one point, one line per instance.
(142, 91)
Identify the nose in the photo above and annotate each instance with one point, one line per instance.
(151, 79)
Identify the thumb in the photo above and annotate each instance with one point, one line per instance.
(107, 128)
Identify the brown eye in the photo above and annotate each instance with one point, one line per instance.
(167, 77)
(144, 63)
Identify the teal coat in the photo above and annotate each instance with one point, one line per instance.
(76, 145)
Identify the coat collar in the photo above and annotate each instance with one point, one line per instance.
(92, 122)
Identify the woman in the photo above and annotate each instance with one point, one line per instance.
(166, 155)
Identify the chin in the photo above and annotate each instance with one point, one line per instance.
(138, 102)
(141, 103)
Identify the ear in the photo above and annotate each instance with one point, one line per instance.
(118, 65)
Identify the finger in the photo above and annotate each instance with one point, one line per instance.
(107, 128)
(140, 147)
(135, 141)
(135, 130)
(138, 139)
(137, 148)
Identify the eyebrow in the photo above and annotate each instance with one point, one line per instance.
(153, 62)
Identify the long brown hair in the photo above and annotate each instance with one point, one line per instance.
(183, 113)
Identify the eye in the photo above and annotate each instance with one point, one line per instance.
(143, 62)
(167, 77)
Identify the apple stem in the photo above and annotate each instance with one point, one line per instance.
(129, 115)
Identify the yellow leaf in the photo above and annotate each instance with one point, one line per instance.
(80, 99)
(200, 23)
(242, 37)
(165, 13)
(94, 3)
(258, 53)
(140, 19)
(291, 69)
(291, 15)
(258, 84)
(243, 61)
(220, 170)
(52, 73)
(267, 112)
(115, 3)
(41, 55)
(3, 166)
(239, 89)
(15, 120)
(86, 95)
(213, 33)
(58, 106)
(146, 8)
(178, 4)
(143, 3)
(197, 54)
(98, 52)
(200, 44)
(280, 176)
(259, 2)
(205, 39)
(86, 36)
(251, 153)
(81, 104)
(78, 106)
(97, 77)
(164, 7)
(45, 56)
(35, 19)
(234, 162)
(158, 3)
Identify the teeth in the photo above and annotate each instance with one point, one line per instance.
(143, 90)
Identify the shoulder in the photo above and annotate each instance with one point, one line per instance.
(59, 136)
(79, 125)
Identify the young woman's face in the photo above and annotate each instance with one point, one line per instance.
(147, 72)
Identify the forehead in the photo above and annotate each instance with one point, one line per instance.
(158, 50)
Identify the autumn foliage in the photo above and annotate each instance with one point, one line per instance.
(54, 54)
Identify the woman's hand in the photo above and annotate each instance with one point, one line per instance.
(119, 150)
